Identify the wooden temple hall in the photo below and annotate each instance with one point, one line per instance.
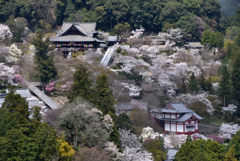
(76, 36)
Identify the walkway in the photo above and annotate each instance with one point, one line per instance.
(31, 86)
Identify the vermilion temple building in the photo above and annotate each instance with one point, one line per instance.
(76, 36)
(179, 119)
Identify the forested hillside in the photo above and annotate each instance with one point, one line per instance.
(153, 15)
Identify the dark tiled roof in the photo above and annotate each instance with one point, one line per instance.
(183, 117)
(177, 108)
(87, 28)
(73, 38)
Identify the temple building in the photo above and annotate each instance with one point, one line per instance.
(179, 119)
(76, 36)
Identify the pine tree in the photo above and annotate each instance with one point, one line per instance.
(202, 81)
(193, 84)
(235, 78)
(183, 88)
(17, 107)
(224, 85)
(81, 85)
(209, 87)
(104, 98)
(44, 63)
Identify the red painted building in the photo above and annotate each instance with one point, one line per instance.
(178, 118)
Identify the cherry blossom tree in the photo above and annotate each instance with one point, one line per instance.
(19, 79)
(50, 87)
(132, 148)
(228, 130)
(133, 51)
(7, 73)
(134, 91)
(172, 35)
(230, 109)
(137, 33)
(111, 148)
(5, 32)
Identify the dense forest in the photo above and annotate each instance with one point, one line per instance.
(154, 15)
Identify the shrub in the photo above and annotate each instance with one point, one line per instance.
(156, 147)
(119, 50)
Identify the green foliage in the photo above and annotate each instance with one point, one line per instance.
(230, 155)
(232, 32)
(44, 63)
(119, 49)
(21, 137)
(153, 15)
(216, 40)
(211, 9)
(213, 40)
(104, 99)
(193, 84)
(200, 149)
(123, 122)
(81, 85)
(235, 144)
(224, 90)
(236, 20)
(116, 9)
(235, 79)
(205, 40)
(193, 6)
(115, 137)
(200, 108)
(17, 27)
(156, 147)
(18, 108)
(237, 40)
(167, 26)
(171, 12)
(190, 25)
(120, 28)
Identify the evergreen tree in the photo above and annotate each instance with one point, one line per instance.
(81, 85)
(193, 84)
(224, 86)
(235, 144)
(22, 137)
(44, 63)
(104, 100)
(202, 81)
(17, 107)
(236, 20)
(230, 155)
(183, 88)
(235, 78)
(209, 87)
(207, 150)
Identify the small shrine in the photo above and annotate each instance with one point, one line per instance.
(76, 36)
(179, 119)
